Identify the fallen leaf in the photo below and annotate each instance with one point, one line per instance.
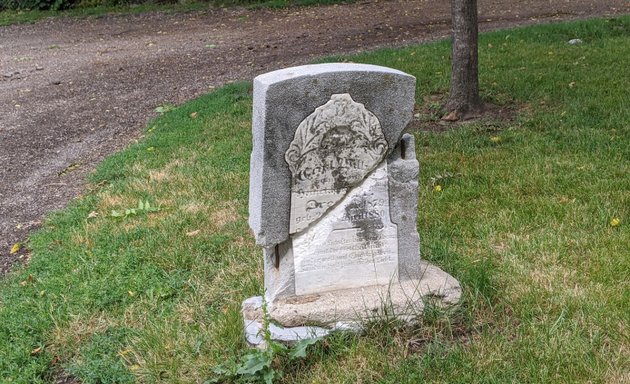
(193, 115)
(615, 222)
(452, 116)
(92, 215)
(193, 233)
(36, 351)
(437, 188)
(15, 248)
(68, 169)
(495, 139)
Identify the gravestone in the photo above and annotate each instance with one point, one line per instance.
(333, 201)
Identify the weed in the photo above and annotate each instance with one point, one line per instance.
(162, 109)
(263, 364)
(143, 207)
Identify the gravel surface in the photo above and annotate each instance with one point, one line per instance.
(73, 91)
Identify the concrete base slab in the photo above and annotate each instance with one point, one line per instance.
(303, 317)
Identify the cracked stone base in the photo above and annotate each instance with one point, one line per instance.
(301, 317)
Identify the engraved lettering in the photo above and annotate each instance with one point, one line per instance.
(354, 245)
(333, 150)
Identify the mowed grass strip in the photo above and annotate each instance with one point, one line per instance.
(100, 8)
(532, 216)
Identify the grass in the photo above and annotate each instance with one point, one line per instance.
(8, 17)
(524, 223)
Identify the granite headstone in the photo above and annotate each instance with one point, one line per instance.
(333, 200)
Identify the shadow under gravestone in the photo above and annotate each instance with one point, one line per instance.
(333, 202)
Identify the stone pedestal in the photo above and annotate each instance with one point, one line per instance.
(348, 309)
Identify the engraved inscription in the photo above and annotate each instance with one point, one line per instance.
(347, 243)
(333, 150)
(355, 245)
(307, 207)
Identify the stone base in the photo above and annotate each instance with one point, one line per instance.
(302, 317)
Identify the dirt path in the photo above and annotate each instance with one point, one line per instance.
(75, 90)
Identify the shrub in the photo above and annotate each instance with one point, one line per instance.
(55, 5)
(59, 5)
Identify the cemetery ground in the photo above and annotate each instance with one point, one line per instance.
(529, 212)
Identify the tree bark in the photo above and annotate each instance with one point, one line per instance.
(464, 97)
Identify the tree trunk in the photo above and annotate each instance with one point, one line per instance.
(463, 99)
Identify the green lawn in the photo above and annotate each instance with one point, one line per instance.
(525, 222)
(10, 16)
(98, 8)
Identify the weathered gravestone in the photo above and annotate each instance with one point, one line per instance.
(333, 201)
